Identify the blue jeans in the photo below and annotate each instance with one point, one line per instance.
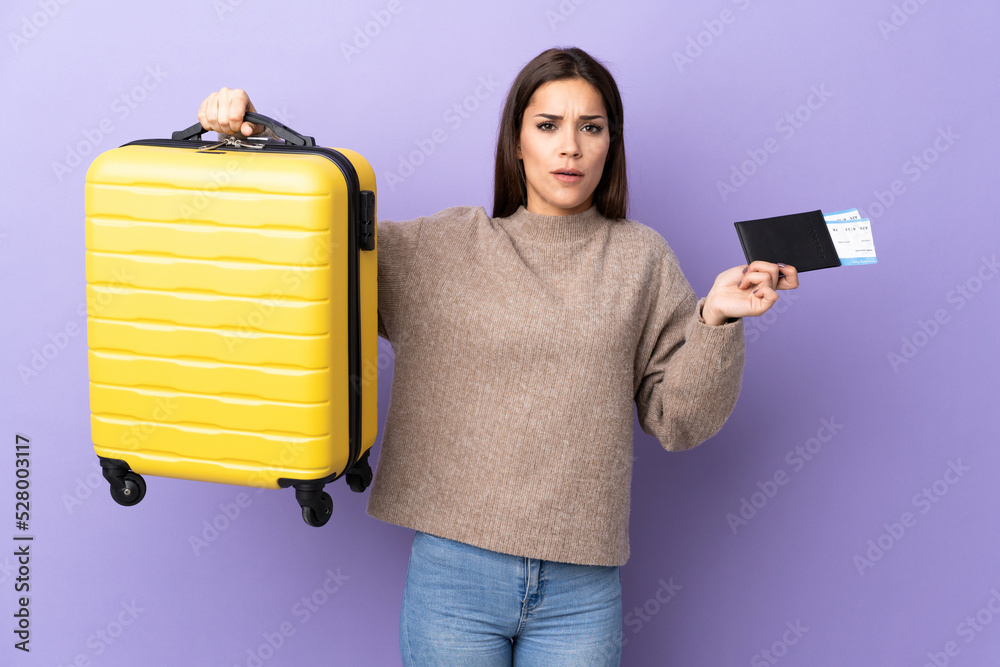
(463, 605)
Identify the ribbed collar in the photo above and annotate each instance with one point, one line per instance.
(524, 224)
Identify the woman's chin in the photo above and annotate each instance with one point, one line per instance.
(560, 206)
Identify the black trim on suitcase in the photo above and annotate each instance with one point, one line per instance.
(291, 137)
(361, 213)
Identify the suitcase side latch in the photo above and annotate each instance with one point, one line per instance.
(366, 221)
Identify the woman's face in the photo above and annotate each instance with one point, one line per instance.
(564, 143)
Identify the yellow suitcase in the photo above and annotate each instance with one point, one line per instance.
(232, 313)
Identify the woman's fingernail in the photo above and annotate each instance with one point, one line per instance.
(782, 265)
(745, 268)
(755, 291)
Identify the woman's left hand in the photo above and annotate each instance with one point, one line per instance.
(747, 290)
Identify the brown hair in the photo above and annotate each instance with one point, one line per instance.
(509, 187)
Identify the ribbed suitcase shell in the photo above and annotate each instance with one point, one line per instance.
(217, 313)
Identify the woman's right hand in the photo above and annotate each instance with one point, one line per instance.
(223, 112)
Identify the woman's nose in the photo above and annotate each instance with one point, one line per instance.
(570, 145)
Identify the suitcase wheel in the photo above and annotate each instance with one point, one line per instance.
(360, 476)
(133, 490)
(317, 510)
(357, 483)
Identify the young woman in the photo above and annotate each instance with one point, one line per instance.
(521, 342)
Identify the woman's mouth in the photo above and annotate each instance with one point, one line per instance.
(568, 175)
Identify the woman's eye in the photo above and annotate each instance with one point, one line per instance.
(589, 128)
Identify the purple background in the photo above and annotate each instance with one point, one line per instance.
(825, 357)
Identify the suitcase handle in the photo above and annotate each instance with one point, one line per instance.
(290, 136)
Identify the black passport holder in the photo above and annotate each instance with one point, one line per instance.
(801, 240)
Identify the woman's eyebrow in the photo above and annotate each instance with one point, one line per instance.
(555, 117)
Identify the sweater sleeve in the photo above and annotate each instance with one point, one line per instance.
(396, 245)
(688, 372)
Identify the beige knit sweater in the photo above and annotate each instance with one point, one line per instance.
(520, 345)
